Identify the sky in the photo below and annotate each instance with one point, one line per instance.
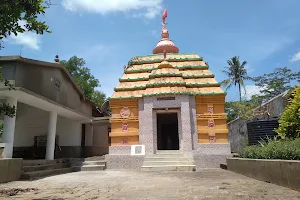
(108, 33)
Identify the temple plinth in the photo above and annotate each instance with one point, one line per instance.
(167, 102)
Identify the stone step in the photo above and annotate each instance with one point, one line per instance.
(89, 168)
(103, 162)
(95, 158)
(159, 163)
(44, 173)
(44, 162)
(170, 168)
(165, 158)
(32, 168)
(169, 155)
(169, 151)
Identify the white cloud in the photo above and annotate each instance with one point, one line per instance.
(295, 57)
(27, 39)
(250, 91)
(146, 8)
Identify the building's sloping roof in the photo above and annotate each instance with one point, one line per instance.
(44, 64)
(153, 75)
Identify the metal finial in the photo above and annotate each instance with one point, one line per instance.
(56, 59)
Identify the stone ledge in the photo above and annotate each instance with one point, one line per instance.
(280, 172)
(10, 169)
(124, 161)
(209, 160)
(120, 150)
(215, 148)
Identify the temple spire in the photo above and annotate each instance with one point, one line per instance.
(165, 44)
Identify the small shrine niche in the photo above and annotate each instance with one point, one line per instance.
(125, 127)
(211, 123)
(210, 109)
(212, 139)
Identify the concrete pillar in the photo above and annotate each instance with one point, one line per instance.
(51, 136)
(9, 130)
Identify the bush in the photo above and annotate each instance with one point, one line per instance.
(274, 149)
(289, 123)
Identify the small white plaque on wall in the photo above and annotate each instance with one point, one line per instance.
(137, 149)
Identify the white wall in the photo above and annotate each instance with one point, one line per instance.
(69, 132)
(32, 122)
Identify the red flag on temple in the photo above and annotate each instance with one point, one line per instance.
(165, 15)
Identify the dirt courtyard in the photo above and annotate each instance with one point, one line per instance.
(210, 184)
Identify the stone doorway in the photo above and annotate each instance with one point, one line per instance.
(167, 131)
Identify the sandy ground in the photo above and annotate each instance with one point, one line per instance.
(211, 184)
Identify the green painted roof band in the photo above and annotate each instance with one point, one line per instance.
(131, 62)
(168, 83)
(132, 88)
(183, 76)
(198, 76)
(133, 79)
(191, 67)
(165, 75)
(173, 93)
(176, 67)
(165, 83)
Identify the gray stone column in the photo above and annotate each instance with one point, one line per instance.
(186, 143)
(194, 122)
(146, 131)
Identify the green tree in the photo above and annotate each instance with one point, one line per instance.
(289, 122)
(83, 77)
(26, 11)
(231, 111)
(12, 12)
(242, 110)
(98, 97)
(275, 83)
(236, 73)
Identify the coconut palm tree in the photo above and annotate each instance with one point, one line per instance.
(236, 73)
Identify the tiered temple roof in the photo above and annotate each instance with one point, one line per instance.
(166, 72)
(177, 74)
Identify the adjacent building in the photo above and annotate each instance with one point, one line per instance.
(53, 119)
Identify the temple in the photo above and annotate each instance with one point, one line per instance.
(167, 112)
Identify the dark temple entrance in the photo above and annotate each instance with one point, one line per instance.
(167, 131)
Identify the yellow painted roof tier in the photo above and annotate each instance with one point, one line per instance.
(177, 74)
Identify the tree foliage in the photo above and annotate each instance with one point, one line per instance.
(98, 97)
(83, 77)
(236, 73)
(289, 122)
(242, 109)
(272, 84)
(19, 16)
(275, 83)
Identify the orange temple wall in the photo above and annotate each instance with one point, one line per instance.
(118, 135)
(211, 121)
